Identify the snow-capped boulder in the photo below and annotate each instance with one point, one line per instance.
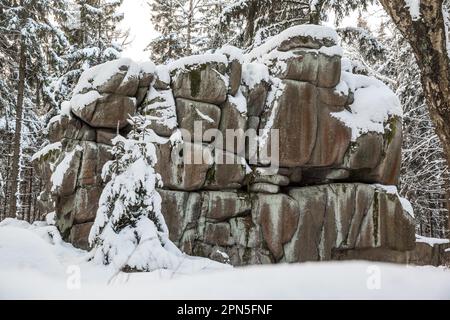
(201, 78)
(162, 78)
(255, 86)
(235, 58)
(118, 76)
(105, 111)
(106, 95)
(303, 53)
(64, 178)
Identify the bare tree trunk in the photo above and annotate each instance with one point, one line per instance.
(427, 37)
(314, 15)
(18, 133)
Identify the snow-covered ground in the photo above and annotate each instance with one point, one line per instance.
(36, 264)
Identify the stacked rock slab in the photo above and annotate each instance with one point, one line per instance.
(80, 143)
(325, 200)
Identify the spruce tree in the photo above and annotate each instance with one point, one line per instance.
(91, 29)
(166, 19)
(186, 27)
(129, 232)
(265, 18)
(27, 47)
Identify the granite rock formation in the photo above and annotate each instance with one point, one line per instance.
(340, 145)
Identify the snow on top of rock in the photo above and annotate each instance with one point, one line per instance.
(307, 30)
(331, 51)
(232, 52)
(47, 149)
(80, 100)
(254, 73)
(374, 104)
(203, 116)
(414, 8)
(431, 241)
(199, 59)
(406, 205)
(65, 109)
(163, 74)
(147, 67)
(58, 175)
(272, 102)
(56, 118)
(96, 76)
(239, 102)
(100, 74)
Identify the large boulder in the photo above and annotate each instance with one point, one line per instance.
(255, 87)
(69, 127)
(104, 111)
(296, 110)
(341, 217)
(337, 131)
(107, 94)
(278, 216)
(201, 78)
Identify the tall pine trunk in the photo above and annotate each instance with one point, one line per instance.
(427, 37)
(251, 20)
(18, 132)
(189, 28)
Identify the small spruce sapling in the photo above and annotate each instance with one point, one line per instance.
(129, 232)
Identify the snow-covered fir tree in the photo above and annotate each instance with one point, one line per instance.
(30, 47)
(262, 18)
(259, 19)
(92, 30)
(185, 26)
(129, 232)
(166, 20)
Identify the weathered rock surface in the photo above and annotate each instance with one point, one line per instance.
(233, 125)
(309, 224)
(202, 82)
(296, 108)
(205, 116)
(184, 166)
(319, 204)
(346, 217)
